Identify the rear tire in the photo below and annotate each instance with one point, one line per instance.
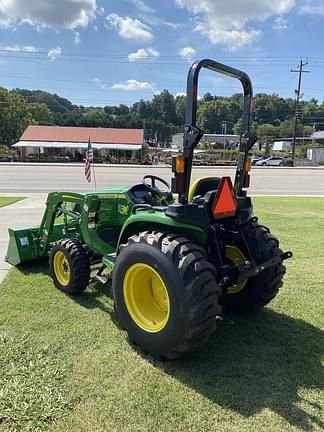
(190, 302)
(69, 266)
(258, 290)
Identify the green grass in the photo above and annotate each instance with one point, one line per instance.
(4, 201)
(66, 366)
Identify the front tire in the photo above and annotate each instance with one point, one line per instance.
(165, 292)
(257, 291)
(69, 266)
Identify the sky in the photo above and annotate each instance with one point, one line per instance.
(111, 52)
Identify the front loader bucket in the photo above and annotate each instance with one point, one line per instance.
(22, 245)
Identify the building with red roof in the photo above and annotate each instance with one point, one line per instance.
(71, 142)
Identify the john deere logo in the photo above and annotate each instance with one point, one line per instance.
(122, 209)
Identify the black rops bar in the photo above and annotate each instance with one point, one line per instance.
(193, 134)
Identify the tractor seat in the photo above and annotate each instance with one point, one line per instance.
(203, 185)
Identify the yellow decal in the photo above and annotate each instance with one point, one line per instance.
(107, 196)
(122, 209)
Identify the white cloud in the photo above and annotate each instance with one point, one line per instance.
(142, 54)
(155, 21)
(21, 48)
(188, 53)
(280, 24)
(226, 22)
(233, 39)
(68, 14)
(129, 28)
(312, 7)
(133, 85)
(143, 7)
(54, 53)
(181, 94)
(100, 83)
(77, 39)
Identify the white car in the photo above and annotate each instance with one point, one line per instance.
(271, 161)
(255, 159)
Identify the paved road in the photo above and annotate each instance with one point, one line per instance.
(20, 179)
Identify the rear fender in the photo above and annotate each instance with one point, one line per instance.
(156, 220)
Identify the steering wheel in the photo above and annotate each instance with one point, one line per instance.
(149, 181)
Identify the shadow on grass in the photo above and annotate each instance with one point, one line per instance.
(258, 362)
(33, 266)
(91, 298)
(264, 361)
(95, 296)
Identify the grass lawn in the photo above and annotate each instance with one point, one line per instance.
(66, 366)
(4, 201)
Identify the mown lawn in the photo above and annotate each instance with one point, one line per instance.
(66, 366)
(4, 201)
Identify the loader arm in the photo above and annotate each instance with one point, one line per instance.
(29, 243)
(53, 205)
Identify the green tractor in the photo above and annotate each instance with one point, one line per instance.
(174, 266)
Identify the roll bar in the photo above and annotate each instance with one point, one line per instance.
(193, 134)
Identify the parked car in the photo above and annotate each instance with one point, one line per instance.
(255, 159)
(271, 161)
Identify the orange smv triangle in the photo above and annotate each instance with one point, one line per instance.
(225, 204)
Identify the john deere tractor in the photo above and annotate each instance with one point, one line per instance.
(174, 266)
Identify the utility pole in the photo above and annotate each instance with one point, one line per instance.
(224, 127)
(224, 131)
(297, 110)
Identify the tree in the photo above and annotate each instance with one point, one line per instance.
(307, 131)
(54, 102)
(14, 117)
(41, 114)
(163, 107)
(211, 115)
(272, 108)
(180, 109)
(207, 97)
(95, 117)
(143, 108)
(266, 135)
(286, 129)
(237, 127)
(71, 118)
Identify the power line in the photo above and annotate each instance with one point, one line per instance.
(15, 49)
(118, 59)
(109, 61)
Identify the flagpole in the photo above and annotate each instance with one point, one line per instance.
(94, 175)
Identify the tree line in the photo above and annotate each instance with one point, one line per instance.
(160, 117)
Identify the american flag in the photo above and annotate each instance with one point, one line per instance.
(88, 160)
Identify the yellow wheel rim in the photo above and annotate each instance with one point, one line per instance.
(146, 297)
(236, 257)
(61, 268)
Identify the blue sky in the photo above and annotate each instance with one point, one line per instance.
(107, 52)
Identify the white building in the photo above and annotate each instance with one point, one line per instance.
(281, 146)
(315, 155)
